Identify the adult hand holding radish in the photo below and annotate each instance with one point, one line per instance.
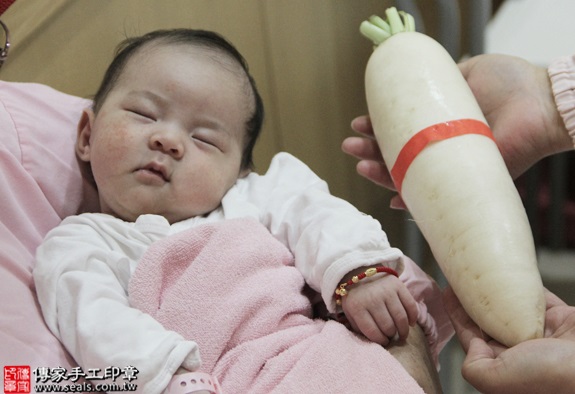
(450, 174)
(517, 100)
(542, 365)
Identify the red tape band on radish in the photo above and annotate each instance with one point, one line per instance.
(437, 132)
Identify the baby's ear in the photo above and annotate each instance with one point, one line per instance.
(84, 134)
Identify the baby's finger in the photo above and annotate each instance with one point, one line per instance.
(397, 317)
(409, 305)
(385, 322)
(367, 326)
(351, 321)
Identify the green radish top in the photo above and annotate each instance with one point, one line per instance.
(379, 30)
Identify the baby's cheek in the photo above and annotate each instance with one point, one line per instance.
(201, 197)
(124, 137)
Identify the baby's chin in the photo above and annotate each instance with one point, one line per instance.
(130, 211)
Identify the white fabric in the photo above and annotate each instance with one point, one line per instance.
(84, 265)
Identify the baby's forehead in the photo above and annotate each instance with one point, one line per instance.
(216, 53)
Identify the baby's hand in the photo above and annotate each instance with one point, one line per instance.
(380, 309)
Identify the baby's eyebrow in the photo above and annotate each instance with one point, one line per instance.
(154, 97)
(213, 124)
(216, 127)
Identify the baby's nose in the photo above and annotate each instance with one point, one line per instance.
(168, 143)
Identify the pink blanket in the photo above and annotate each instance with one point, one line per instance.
(233, 288)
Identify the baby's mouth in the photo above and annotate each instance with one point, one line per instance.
(158, 170)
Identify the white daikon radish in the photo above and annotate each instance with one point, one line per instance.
(452, 178)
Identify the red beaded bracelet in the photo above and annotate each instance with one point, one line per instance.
(341, 290)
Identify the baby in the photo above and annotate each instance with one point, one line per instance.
(168, 144)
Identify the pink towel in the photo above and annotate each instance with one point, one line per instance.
(233, 288)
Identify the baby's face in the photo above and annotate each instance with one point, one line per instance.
(168, 139)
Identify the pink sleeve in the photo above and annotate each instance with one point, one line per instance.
(562, 74)
(433, 317)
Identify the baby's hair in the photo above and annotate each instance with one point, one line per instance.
(203, 38)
